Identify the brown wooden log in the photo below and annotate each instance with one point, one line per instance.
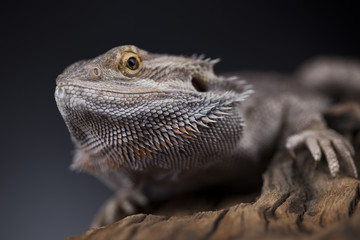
(297, 201)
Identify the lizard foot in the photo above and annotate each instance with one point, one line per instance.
(122, 204)
(328, 142)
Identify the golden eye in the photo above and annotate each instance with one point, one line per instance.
(130, 64)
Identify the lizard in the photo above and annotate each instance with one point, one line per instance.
(152, 125)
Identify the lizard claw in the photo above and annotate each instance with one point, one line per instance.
(118, 206)
(329, 143)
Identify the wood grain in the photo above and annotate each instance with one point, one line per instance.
(297, 201)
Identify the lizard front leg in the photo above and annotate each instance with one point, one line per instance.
(331, 144)
(312, 132)
(123, 203)
(128, 197)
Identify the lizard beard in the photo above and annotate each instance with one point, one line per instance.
(179, 130)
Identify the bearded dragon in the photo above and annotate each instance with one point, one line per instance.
(163, 124)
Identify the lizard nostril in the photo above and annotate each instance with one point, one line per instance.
(59, 92)
(199, 84)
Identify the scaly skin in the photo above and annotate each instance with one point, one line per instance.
(140, 119)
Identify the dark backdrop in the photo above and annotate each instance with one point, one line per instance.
(39, 197)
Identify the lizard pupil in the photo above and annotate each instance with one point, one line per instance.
(132, 63)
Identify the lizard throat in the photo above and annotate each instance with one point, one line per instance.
(155, 130)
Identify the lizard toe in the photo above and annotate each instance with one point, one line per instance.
(335, 148)
(330, 155)
(346, 155)
(119, 206)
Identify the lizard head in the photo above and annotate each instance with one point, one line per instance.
(134, 109)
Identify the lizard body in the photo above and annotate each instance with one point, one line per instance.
(171, 124)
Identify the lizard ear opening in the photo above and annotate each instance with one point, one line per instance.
(199, 84)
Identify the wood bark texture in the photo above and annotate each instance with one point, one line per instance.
(297, 201)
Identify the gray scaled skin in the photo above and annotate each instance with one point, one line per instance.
(167, 124)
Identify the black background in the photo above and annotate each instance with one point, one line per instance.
(39, 197)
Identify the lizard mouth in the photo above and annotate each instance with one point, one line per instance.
(78, 97)
(62, 88)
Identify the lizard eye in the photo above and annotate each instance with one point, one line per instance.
(130, 64)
